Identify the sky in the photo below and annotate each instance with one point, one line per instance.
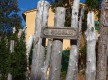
(29, 4)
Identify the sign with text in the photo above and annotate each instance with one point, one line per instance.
(59, 33)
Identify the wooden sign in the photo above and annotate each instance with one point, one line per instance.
(59, 33)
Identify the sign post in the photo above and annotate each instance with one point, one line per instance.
(59, 33)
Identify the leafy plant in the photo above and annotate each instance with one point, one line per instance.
(4, 57)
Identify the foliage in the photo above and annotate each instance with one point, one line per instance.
(18, 61)
(30, 56)
(14, 63)
(4, 58)
(92, 5)
(61, 3)
(65, 59)
(8, 14)
(64, 63)
(97, 25)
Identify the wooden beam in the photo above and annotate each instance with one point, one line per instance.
(72, 73)
(39, 43)
(56, 56)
